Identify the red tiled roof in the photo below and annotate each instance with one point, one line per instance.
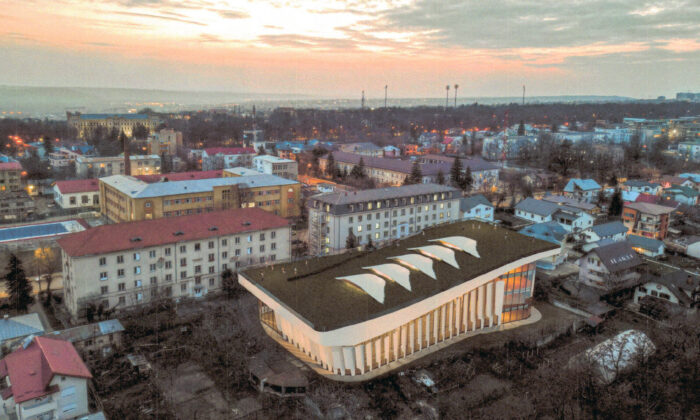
(31, 369)
(121, 236)
(78, 186)
(180, 176)
(10, 166)
(655, 199)
(229, 150)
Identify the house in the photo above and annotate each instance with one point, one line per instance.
(682, 194)
(641, 186)
(227, 157)
(630, 195)
(614, 231)
(362, 149)
(677, 288)
(44, 379)
(392, 151)
(667, 181)
(476, 207)
(552, 232)
(77, 194)
(572, 219)
(273, 165)
(571, 202)
(689, 245)
(14, 329)
(646, 246)
(609, 267)
(97, 338)
(645, 219)
(582, 189)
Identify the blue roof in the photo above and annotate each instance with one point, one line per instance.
(644, 242)
(31, 231)
(636, 183)
(111, 326)
(10, 328)
(539, 207)
(609, 229)
(468, 203)
(691, 176)
(583, 184)
(103, 116)
(547, 231)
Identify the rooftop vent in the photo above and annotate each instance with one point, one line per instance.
(178, 233)
(135, 239)
(213, 228)
(246, 223)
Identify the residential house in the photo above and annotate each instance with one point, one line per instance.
(675, 288)
(44, 379)
(362, 149)
(582, 189)
(615, 231)
(16, 206)
(476, 207)
(646, 246)
(273, 165)
(165, 142)
(77, 194)
(681, 194)
(609, 267)
(645, 219)
(571, 202)
(688, 245)
(689, 150)
(641, 186)
(227, 157)
(10, 176)
(14, 329)
(552, 232)
(100, 338)
(668, 181)
(572, 219)
(392, 151)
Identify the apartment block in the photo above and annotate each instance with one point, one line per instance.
(10, 176)
(378, 215)
(273, 165)
(646, 219)
(129, 264)
(92, 167)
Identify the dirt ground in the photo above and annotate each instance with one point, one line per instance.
(191, 393)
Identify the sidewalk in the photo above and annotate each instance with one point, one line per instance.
(39, 309)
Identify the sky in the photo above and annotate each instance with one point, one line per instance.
(336, 48)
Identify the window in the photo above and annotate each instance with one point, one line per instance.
(224, 255)
(183, 287)
(262, 236)
(137, 270)
(139, 296)
(183, 262)
(273, 246)
(183, 248)
(168, 277)
(154, 280)
(122, 300)
(224, 242)
(211, 244)
(151, 268)
(250, 238)
(224, 266)
(120, 272)
(262, 248)
(168, 264)
(197, 247)
(121, 287)
(103, 275)
(137, 256)
(262, 259)
(237, 252)
(183, 274)
(103, 261)
(359, 228)
(197, 269)
(211, 269)
(167, 251)
(211, 257)
(237, 241)
(249, 251)
(120, 259)
(104, 290)
(273, 235)
(211, 281)
(151, 254)
(137, 283)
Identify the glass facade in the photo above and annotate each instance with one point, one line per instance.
(519, 285)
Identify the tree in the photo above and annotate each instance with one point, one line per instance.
(331, 171)
(613, 181)
(228, 283)
(521, 128)
(370, 245)
(467, 180)
(261, 150)
(358, 171)
(456, 173)
(351, 240)
(416, 176)
(140, 132)
(615, 208)
(17, 285)
(440, 178)
(48, 145)
(48, 263)
(555, 128)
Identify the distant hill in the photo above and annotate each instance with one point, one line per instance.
(53, 102)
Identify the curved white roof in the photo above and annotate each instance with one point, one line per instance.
(417, 262)
(438, 252)
(460, 242)
(369, 283)
(395, 272)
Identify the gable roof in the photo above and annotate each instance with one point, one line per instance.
(78, 186)
(538, 207)
(468, 203)
(547, 231)
(655, 199)
(617, 256)
(148, 233)
(643, 242)
(638, 183)
(649, 208)
(31, 367)
(682, 190)
(20, 326)
(582, 184)
(571, 202)
(609, 229)
(679, 282)
(10, 166)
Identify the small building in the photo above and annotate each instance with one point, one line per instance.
(10, 176)
(77, 194)
(642, 187)
(44, 379)
(676, 288)
(646, 246)
(16, 206)
(615, 355)
(689, 245)
(682, 194)
(99, 338)
(14, 329)
(646, 219)
(582, 189)
(614, 231)
(571, 202)
(610, 267)
(551, 232)
(572, 219)
(227, 157)
(91, 167)
(274, 374)
(392, 151)
(273, 165)
(476, 207)
(165, 142)
(362, 149)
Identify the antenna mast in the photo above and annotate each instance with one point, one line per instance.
(363, 99)
(523, 94)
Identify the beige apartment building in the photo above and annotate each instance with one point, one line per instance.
(126, 123)
(124, 198)
(124, 265)
(166, 141)
(97, 167)
(10, 176)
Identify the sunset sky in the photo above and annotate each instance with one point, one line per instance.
(334, 48)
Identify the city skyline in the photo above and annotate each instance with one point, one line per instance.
(339, 48)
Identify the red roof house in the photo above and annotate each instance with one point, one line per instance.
(78, 186)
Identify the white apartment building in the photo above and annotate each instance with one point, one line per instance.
(98, 167)
(378, 215)
(227, 157)
(129, 264)
(273, 165)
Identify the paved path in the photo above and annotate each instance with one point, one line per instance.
(39, 309)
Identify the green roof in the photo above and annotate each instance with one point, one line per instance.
(309, 287)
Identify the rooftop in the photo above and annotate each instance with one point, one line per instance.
(10, 166)
(539, 207)
(405, 166)
(560, 199)
(645, 243)
(310, 288)
(636, 183)
(649, 208)
(180, 176)
(229, 151)
(136, 188)
(609, 229)
(383, 193)
(147, 233)
(20, 326)
(273, 159)
(32, 367)
(105, 116)
(617, 256)
(88, 331)
(468, 203)
(548, 231)
(582, 184)
(78, 186)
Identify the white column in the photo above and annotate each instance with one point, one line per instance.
(338, 362)
(328, 358)
(378, 351)
(420, 333)
(488, 310)
(412, 336)
(465, 311)
(438, 315)
(404, 340)
(349, 359)
(498, 305)
(472, 308)
(360, 357)
(387, 347)
(396, 337)
(445, 313)
(368, 355)
(481, 295)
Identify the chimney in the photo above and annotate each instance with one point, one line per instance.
(127, 158)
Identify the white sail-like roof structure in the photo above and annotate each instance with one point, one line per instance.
(371, 284)
(439, 253)
(461, 243)
(394, 272)
(417, 262)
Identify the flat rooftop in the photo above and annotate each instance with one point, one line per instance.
(43, 230)
(309, 287)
